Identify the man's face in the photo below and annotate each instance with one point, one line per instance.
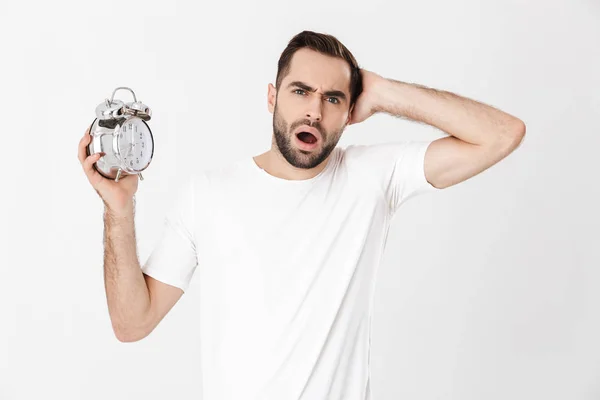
(314, 95)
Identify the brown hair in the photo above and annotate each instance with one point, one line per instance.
(324, 44)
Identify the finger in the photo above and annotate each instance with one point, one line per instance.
(88, 163)
(85, 140)
(88, 167)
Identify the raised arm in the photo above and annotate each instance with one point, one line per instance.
(136, 302)
(480, 135)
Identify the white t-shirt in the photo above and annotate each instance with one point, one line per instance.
(286, 269)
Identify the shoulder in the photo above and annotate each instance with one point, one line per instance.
(377, 156)
(380, 152)
(217, 180)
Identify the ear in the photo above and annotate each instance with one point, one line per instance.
(271, 98)
(350, 113)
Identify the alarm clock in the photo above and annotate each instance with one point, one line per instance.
(121, 132)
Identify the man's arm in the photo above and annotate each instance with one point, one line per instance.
(136, 302)
(480, 137)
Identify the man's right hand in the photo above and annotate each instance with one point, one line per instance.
(117, 196)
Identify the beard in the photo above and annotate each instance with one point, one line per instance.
(296, 157)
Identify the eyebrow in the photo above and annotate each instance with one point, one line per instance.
(304, 86)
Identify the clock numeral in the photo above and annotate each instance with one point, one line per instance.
(141, 154)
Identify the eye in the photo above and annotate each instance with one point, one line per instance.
(336, 100)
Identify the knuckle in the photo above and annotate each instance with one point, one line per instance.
(88, 163)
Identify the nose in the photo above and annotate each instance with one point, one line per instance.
(314, 109)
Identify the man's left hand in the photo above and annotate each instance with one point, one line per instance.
(367, 103)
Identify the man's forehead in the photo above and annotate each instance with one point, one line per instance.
(319, 71)
(317, 85)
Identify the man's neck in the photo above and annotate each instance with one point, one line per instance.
(276, 165)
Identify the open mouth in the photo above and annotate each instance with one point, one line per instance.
(306, 137)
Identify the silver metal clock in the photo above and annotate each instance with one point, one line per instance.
(121, 132)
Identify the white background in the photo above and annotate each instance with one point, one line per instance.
(489, 289)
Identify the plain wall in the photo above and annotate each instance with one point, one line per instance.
(488, 289)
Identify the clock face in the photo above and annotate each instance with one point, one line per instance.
(136, 144)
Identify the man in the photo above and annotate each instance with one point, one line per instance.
(287, 243)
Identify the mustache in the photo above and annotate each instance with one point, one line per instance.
(307, 122)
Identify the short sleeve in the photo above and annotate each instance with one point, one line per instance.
(173, 260)
(398, 168)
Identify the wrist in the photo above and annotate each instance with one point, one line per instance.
(391, 96)
(121, 211)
